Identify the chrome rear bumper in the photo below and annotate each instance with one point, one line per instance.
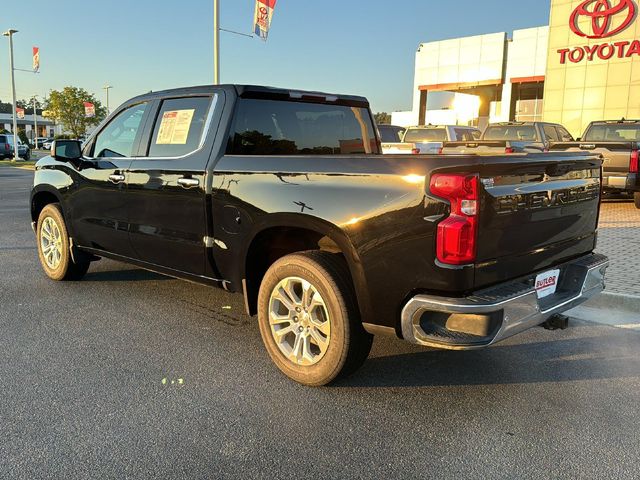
(510, 308)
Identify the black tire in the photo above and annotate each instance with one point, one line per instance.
(65, 268)
(348, 344)
(636, 199)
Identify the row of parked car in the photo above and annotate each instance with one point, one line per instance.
(618, 141)
(24, 149)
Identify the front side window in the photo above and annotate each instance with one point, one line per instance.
(270, 127)
(465, 135)
(389, 134)
(565, 136)
(179, 126)
(118, 138)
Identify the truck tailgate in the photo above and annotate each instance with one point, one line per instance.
(616, 154)
(535, 213)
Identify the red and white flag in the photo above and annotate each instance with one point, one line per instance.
(89, 109)
(36, 59)
(262, 17)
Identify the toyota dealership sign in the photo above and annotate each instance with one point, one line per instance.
(602, 19)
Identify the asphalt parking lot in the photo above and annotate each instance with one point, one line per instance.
(129, 374)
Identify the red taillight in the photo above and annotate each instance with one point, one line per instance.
(415, 151)
(509, 150)
(456, 239)
(7, 146)
(440, 150)
(633, 163)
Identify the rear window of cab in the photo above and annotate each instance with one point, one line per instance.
(278, 127)
(613, 133)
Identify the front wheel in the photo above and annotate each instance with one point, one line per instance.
(54, 247)
(309, 318)
(636, 199)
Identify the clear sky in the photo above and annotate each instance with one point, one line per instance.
(357, 47)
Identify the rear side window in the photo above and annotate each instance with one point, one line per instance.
(179, 126)
(270, 127)
(514, 133)
(417, 135)
(550, 133)
(613, 133)
(3, 139)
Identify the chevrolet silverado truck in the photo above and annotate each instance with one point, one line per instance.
(618, 142)
(284, 196)
(511, 137)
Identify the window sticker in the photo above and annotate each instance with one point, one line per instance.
(174, 128)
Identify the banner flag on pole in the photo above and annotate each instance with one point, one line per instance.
(36, 59)
(20, 113)
(89, 109)
(263, 15)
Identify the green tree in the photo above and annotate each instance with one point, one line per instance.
(67, 108)
(382, 118)
(28, 105)
(22, 135)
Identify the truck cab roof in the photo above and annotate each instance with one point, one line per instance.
(257, 91)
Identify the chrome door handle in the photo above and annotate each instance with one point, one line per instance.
(116, 178)
(188, 182)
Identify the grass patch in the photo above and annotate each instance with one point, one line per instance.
(21, 163)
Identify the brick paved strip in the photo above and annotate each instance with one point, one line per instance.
(619, 239)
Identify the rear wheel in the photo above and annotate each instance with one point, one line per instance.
(636, 199)
(309, 318)
(54, 247)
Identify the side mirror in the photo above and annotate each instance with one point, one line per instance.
(66, 150)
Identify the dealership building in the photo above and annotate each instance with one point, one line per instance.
(583, 66)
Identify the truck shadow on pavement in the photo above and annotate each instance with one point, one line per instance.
(612, 354)
(130, 275)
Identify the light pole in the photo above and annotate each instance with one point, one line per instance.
(106, 89)
(9, 33)
(35, 123)
(216, 42)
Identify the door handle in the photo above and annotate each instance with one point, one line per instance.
(116, 178)
(188, 182)
(588, 146)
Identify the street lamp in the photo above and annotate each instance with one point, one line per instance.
(216, 42)
(9, 33)
(106, 89)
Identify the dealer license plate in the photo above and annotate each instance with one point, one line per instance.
(547, 283)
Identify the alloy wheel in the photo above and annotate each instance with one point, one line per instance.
(299, 321)
(51, 243)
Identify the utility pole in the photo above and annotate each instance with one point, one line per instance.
(106, 89)
(35, 122)
(9, 33)
(216, 42)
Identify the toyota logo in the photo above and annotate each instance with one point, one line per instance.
(602, 13)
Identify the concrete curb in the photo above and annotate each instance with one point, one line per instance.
(615, 301)
(612, 309)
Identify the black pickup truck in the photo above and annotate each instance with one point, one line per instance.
(618, 142)
(285, 197)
